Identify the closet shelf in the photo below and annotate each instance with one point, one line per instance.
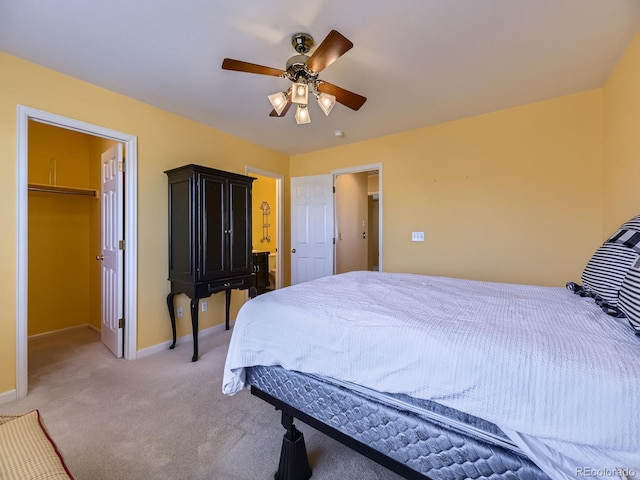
(34, 187)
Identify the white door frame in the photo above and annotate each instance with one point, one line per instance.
(279, 219)
(130, 221)
(359, 169)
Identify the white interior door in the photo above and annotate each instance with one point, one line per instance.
(112, 253)
(311, 227)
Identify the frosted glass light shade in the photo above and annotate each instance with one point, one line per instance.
(326, 102)
(300, 93)
(302, 115)
(279, 101)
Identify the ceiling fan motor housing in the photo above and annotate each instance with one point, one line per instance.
(297, 70)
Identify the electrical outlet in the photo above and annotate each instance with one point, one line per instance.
(417, 236)
(179, 312)
(205, 305)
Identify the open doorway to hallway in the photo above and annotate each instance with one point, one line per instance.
(317, 232)
(357, 221)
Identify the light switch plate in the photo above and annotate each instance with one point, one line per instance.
(417, 236)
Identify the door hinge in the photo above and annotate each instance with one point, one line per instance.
(334, 189)
(334, 240)
(121, 167)
(121, 323)
(120, 244)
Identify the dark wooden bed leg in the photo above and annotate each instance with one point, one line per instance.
(294, 463)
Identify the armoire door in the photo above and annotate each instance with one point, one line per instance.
(213, 229)
(182, 218)
(239, 235)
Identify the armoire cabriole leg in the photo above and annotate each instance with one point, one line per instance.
(194, 326)
(172, 316)
(294, 463)
(227, 300)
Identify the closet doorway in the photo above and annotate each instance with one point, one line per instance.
(60, 248)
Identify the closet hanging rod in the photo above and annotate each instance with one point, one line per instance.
(64, 190)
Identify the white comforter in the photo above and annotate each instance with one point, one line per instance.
(548, 367)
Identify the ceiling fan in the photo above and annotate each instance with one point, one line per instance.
(303, 70)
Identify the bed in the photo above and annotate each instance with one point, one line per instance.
(445, 378)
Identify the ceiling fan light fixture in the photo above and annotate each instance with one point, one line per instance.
(302, 71)
(300, 93)
(326, 101)
(302, 115)
(279, 101)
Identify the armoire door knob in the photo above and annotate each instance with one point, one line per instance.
(100, 257)
(293, 250)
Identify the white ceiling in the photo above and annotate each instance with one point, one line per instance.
(419, 62)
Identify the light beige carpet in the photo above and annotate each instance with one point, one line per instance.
(163, 417)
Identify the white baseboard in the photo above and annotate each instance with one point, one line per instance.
(145, 352)
(53, 332)
(10, 396)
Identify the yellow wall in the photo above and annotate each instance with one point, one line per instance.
(513, 196)
(264, 190)
(165, 140)
(622, 140)
(59, 230)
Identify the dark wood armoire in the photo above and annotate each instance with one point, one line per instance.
(209, 238)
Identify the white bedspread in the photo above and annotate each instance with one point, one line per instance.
(536, 361)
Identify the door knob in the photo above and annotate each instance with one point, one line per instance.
(293, 250)
(100, 257)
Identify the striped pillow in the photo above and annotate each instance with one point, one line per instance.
(605, 272)
(629, 299)
(633, 224)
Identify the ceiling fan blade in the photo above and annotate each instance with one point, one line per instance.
(345, 97)
(332, 47)
(284, 111)
(240, 66)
